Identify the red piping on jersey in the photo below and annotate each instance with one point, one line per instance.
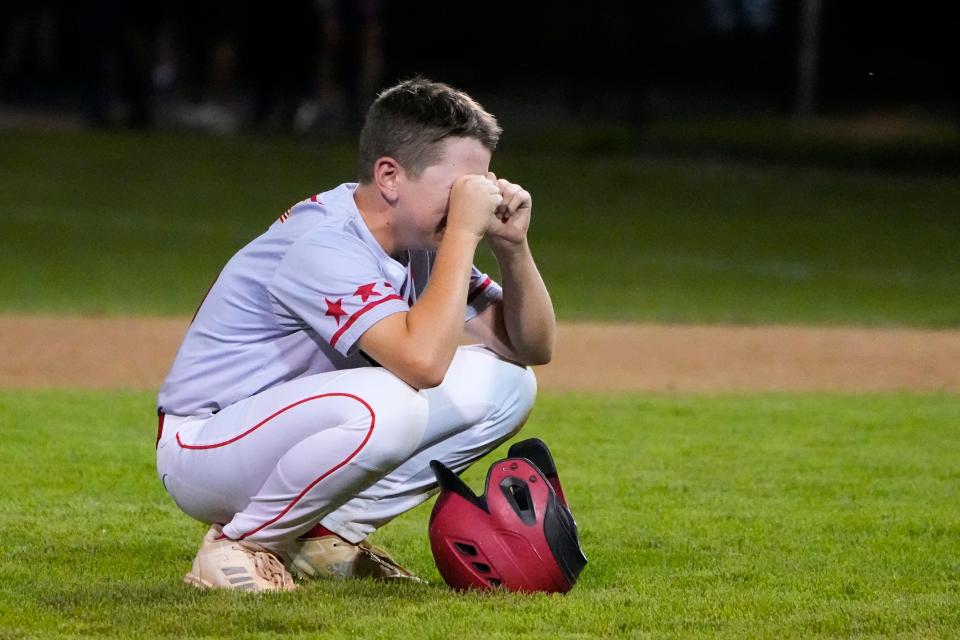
(215, 445)
(483, 285)
(299, 496)
(353, 318)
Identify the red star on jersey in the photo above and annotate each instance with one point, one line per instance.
(335, 309)
(366, 291)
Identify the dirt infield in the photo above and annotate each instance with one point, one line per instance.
(88, 352)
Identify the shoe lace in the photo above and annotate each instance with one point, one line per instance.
(271, 569)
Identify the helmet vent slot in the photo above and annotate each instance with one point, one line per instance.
(494, 582)
(465, 549)
(517, 493)
(481, 567)
(521, 496)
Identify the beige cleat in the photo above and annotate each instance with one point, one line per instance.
(234, 564)
(334, 557)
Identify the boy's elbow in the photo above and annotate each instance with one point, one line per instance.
(539, 359)
(427, 380)
(426, 373)
(537, 356)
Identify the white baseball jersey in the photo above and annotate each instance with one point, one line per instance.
(294, 302)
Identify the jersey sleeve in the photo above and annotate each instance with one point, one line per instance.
(333, 285)
(483, 291)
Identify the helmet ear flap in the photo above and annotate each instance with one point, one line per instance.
(450, 481)
(535, 450)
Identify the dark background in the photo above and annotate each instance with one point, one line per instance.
(629, 60)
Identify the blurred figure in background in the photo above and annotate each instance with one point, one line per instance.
(348, 65)
(301, 65)
(277, 60)
(196, 74)
(28, 49)
(749, 51)
(121, 39)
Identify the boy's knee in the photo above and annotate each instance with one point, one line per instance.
(525, 394)
(506, 389)
(409, 428)
(512, 390)
(399, 424)
(528, 387)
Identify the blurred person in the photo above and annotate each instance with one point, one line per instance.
(608, 63)
(753, 15)
(322, 372)
(197, 70)
(121, 39)
(28, 48)
(349, 64)
(747, 49)
(276, 56)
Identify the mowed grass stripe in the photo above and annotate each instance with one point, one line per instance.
(124, 223)
(760, 515)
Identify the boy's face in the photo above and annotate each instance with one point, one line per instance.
(423, 202)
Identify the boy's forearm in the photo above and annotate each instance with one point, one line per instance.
(527, 309)
(435, 322)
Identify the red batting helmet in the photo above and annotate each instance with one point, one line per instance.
(519, 535)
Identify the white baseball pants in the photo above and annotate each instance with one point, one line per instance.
(348, 449)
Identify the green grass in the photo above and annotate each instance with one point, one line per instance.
(898, 139)
(127, 223)
(732, 516)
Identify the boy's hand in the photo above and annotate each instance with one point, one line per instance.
(512, 220)
(473, 201)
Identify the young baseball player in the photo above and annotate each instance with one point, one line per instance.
(322, 372)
